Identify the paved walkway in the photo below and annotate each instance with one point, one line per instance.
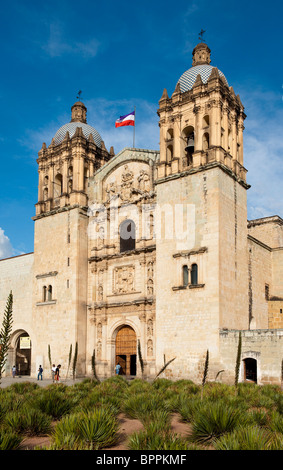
(6, 381)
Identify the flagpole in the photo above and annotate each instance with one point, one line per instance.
(134, 129)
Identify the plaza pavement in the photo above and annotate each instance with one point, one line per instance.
(7, 381)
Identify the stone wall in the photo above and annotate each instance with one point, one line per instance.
(265, 346)
(16, 275)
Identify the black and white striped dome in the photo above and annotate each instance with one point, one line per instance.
(188, 78)
(71, 128)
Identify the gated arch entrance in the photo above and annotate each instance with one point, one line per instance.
(126, 350)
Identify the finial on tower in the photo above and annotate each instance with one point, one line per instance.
(201, 35)
(201, 54)
(79, 111)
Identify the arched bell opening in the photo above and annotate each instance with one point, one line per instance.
(205, 141)
(188, 138)
(169, 153)
(58, 186)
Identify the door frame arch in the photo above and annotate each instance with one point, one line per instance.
(12, 353)
(113, 335)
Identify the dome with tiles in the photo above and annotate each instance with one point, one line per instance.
(78, 120)
(201, 66)
(188, 78)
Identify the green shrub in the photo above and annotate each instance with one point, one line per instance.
(138, 406)
(9, 440)
(189, 407)
(213, 420)
(28, 421)
(54, 403)
(279, 403)
(23, 388)
(275, 423)
(160, 418)
(86, 430)
(257, 417)
(249, 438)
(153, 438)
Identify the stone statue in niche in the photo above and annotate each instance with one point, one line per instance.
(150, 327)
(99, 330)
(99, 350)
(124, 279)
(111, 190)
(150, 269)
(127, 176)
(100, 236)
(144, 181)
(150, 348)
(127, 184)
(150, 287)
(100, 293)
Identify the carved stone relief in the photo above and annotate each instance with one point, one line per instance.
(128, 186)
(123, 279)
(150, 274)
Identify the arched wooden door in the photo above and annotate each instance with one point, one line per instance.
(126, 350)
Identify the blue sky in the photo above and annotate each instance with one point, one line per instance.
(121, 55)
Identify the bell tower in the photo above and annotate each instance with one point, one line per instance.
(201, 182)
(61, 237)
(202, 122)
(75, 153)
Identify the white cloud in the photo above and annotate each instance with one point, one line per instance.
(6, 249)
(58, 45)
(102, 114)
(263, 153)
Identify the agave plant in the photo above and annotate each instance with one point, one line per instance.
(213, 420)
(95, 429)
(249, 438)
(28, 421)
(153, 438)
(53, 402)
(140, 405)
(9, 440)
(189, 407)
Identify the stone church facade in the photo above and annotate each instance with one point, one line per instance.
(151, 250)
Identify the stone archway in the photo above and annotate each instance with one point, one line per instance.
(21, 345)
(126, 350)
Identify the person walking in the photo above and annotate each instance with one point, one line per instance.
(40, 370)
(53, 372)
(14, 370)
(117, 369)
(57, 373)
